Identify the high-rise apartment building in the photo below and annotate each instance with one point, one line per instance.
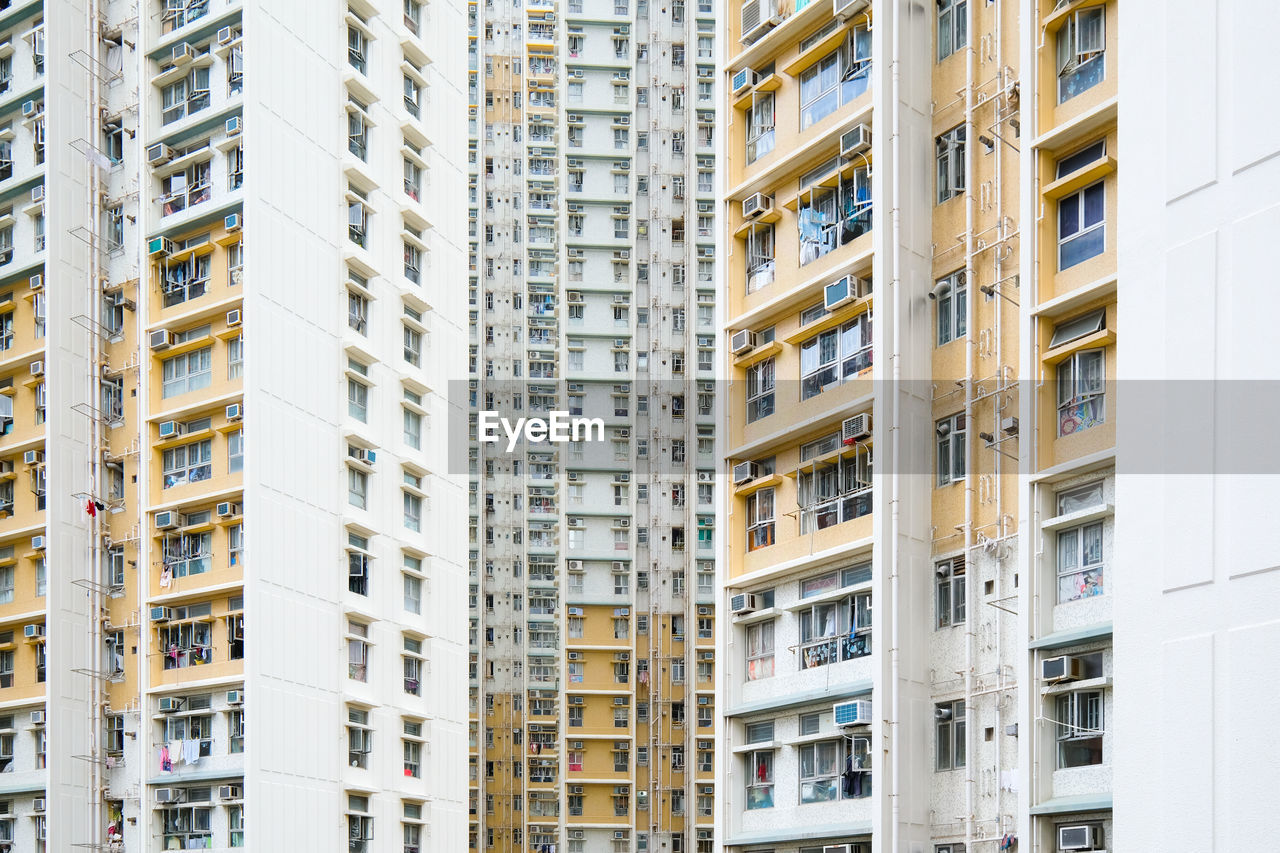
(593, 293)
(921, 289)
(217, 586)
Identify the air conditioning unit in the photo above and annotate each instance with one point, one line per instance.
(29, 108)
(235, 411)
(119, 300)
(232, 222)
(37, 194)
(160, 247)
(743, 602)
(33, 457)
(168, 796)
(855, 428)
(1079, 837)
(575, 118)
(758, 17)
(235, 697)
(855, 713)
(363, 454)
(619, 835)
(229, 792)
(856, 141)
(234, 125)
(549, 17)
(745, 472)
(706, 477)
(575, 789)
(159, 154)
(575, 296)
(621, 299)
(577, 834)
(36, 281)
(227, 509)
(744, 79)
(37, 543)
(575, 565)
(37, 718)
(169, 704)
(1064, 668)
(160, 339)
(37, 805)
(756, 204)
(742, 341)
(704, 611)
(183, 53)
(1009, 425)
(37, 368)
(575, 655)
(169, 429)
(161, 614)
(846, 9)
(167, 520)
(622, 120)
(226, 35)
(32, 632)
(233, 317)
(622, 657)
(842, 292)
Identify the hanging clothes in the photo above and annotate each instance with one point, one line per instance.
(191, 751)
(91, 508)
(166, 765)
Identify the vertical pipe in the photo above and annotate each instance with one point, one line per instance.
(971, 281)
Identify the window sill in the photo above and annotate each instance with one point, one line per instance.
(764, 615)
(1079, 179)
(1072, 686)
(1101, 338)
(1083, 516)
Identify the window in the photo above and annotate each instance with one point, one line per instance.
(1079, 717)
(759, 771)
(357, 400)
(1081, 57)
(760, 264)
(357, 488)
(837, 79)
(412, 665)
(835, 492)
(413, 262)
(358, 312)
(760, 519)
(760, 651)
(412, 511)
(189, 463)
(357, 48)
(412, 594)
(188, 372)
(953, 31)
(1081, 224)
(951, 449)
(179, 13)
(835, 356)
(950, 590)
(760, 382)
(185, 280)
(235, 357)
(820, 771)
(185, 97)
(952, 297)
(760, 124)
(951, 735)
(357, 651)
(1081, 391)
(1080, 561)
(949, 152)
(412, 346)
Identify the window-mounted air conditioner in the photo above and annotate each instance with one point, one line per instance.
(235, 697)
(169, 704)
(36, 281)
(856, 141)
(37, 718)
(167, 520)
(167, 796)
(706, 477)
(575, 118)
(756, 204)
(744, 79)
(226, 35)
(229, 792)
(704, 611)
(159, 154)
(227, 509)
(854, 713)
(233, 317)
(575, 655)
(170, 429)
(33, 457)
(745, 472)
(235, 411)
(37, 368)
(37, 194)
(160, 339)
(843, 291)
(743, 602)
(161, 614)
(619, 835)
(37, 543)
(183, 53)
(232, 222)
(575, 789)
(37, 805)
(758, 17)
(1079, 837)
(29, 108)
(33, 632)
(1064, 668)
(742, 341)
(855, 428)
(622, 657)
(160, 247)
(234, 125)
